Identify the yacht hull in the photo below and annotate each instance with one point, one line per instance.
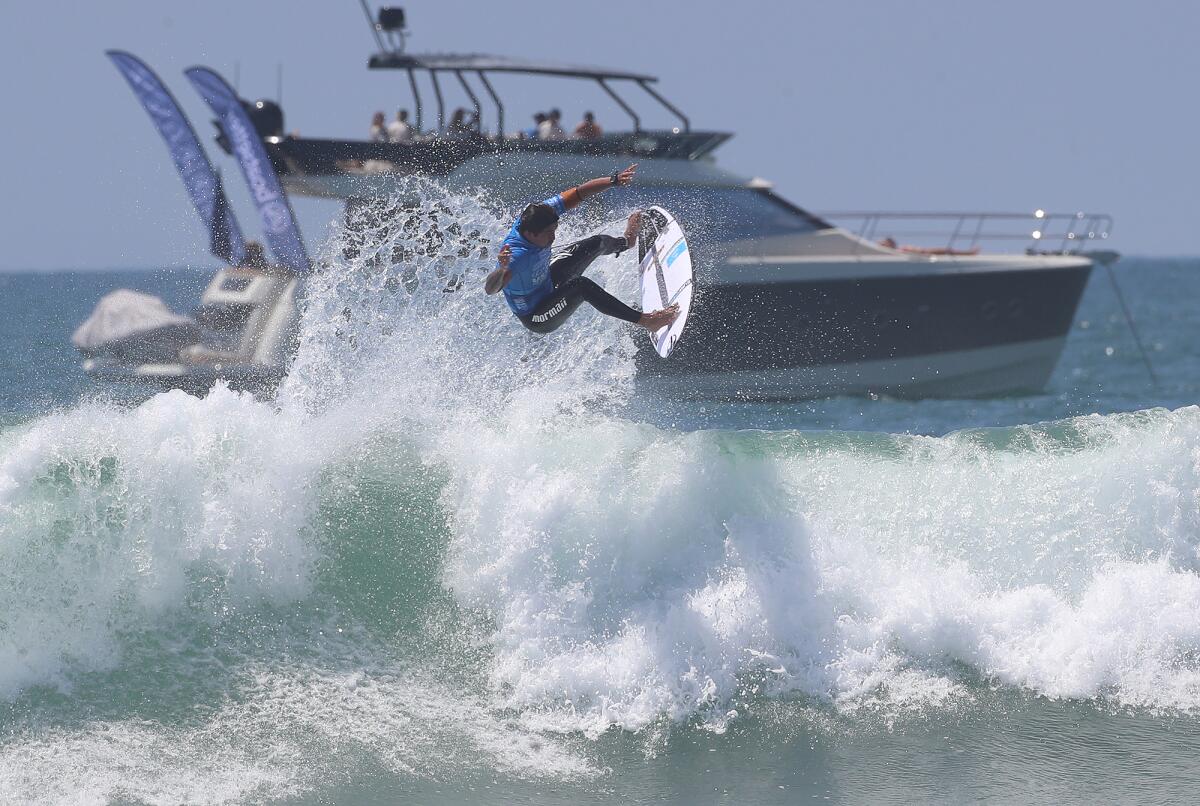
(951, 333)
(983, 372)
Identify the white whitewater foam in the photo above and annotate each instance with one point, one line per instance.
(623, 573)
(104, 512)
(630, 572)
(118, 522)
(633, 572)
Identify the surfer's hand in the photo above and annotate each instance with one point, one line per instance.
(632, 227)
(626, 176)
(656, 320)
(505, 256)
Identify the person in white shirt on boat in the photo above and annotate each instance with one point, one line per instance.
(398, 130)
(550, 128)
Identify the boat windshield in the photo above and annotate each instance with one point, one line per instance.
(719, 214)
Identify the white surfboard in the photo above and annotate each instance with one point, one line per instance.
(666, 272)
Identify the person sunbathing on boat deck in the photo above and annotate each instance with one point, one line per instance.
(890, 243)
(542, 291)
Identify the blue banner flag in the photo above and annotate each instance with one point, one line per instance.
(202, 183)
(279, 223)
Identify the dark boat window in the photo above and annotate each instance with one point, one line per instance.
(720, 214)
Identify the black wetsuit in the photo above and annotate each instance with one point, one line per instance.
(572, 288)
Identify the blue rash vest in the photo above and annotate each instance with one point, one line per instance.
(530, 266)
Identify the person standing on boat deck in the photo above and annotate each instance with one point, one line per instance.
(398, 130)
(544, 292)
(378, 133)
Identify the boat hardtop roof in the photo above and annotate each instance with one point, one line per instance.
(483, 62)
(441, 150)
(389, 31)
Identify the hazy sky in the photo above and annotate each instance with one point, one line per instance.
(920, 105)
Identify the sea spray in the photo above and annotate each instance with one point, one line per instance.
(398, 323)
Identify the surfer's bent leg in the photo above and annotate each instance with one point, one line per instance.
(572, 261)
(558, 307)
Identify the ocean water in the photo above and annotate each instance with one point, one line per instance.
(452, 563)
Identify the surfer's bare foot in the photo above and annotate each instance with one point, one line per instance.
(656, 320)
(632, 228)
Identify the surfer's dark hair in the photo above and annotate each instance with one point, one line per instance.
(537, 218)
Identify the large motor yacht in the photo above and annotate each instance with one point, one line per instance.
(789, 305)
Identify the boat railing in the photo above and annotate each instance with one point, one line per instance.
(967, 232)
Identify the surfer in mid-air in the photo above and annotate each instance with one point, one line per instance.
(544, 291)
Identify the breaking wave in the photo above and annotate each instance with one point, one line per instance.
(445, 532)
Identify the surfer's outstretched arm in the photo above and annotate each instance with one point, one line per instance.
(499, 278)
(573, 196)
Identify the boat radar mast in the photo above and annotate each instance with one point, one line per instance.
(388, 28)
